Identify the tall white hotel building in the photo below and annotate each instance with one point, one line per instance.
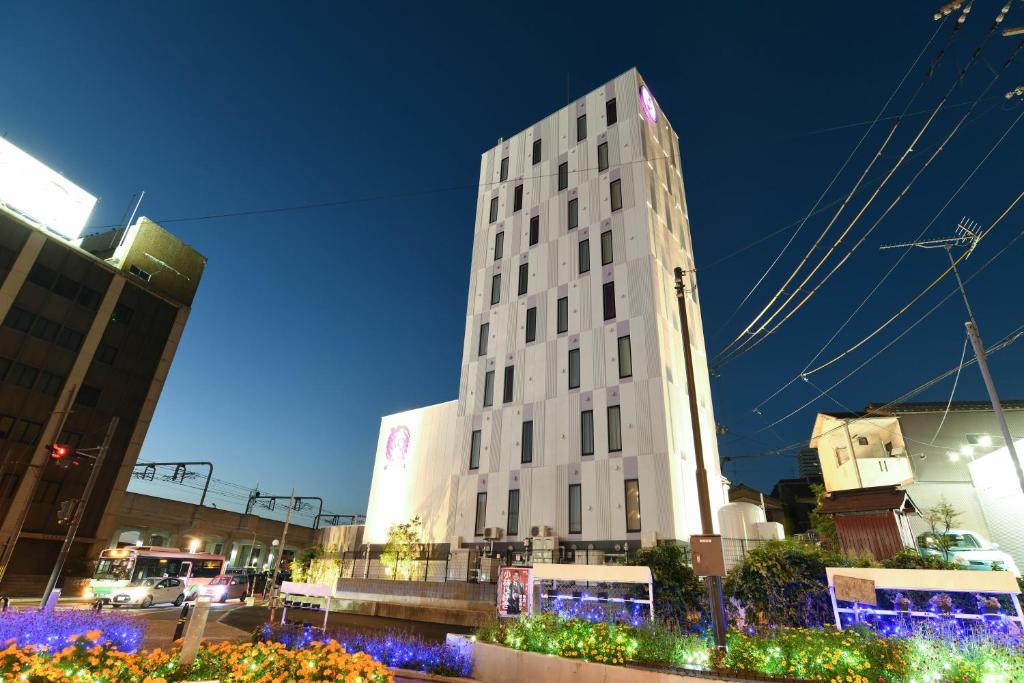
(572, 411)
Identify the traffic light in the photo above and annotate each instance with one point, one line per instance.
(60, 453)
(66, 510)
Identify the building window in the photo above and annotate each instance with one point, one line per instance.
(494, 209)
(45, 329)
(503, 173)
(575, 509)
(26, 432)
(122, 314)
(842, 456)
(531, 324)
(495, 288)
(563, 175)
(581, 128)
(22, 375)
(481, 344)
(562, 315)
(574, 368)
(524, 277)
(584, 256)
(49, 383)
(536, 152)
(474, 450)
(509, 385)
(625, 357)
(587, 432)
(139, 273)
(610, 111)
(42, 276)
(489, 388)
(66, 287)
(105, 353)
(87, 396)
(89, 298)
(574, 213)
(602, 157)
(512, 525)
(70, 339)
(608, 292)
(526, 451)
(614, 429)
(534, 230)
(607, 255)
(481, 514)
(862, 441)
(499, 246)
(616, 194)
(19, 319)
(517, 201)
(632, 505)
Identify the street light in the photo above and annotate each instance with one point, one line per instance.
(193, 546)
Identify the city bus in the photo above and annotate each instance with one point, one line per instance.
(121, 568)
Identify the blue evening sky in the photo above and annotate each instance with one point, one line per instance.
(311, 325)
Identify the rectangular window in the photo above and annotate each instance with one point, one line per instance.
(481, 514)
(632, 505)
(503, 173)
(66, 287)
(70, 339)
(105, 353)
(508, 387)
(495, 288)
(474, 450)
(614, 429)
(526, 451)
(531, 324)
(602, 157)
(87, 396)
(608, 292)
(616, 194)
(625, 357)
(563, 315)
(606, 248)
(512, 527)
(575, 509)
(574, 213)
(45, 329)
(489, 388)
(581, 128)
(536, 152)
(524, 277)
(574, 368)
(122, 314)
(89, 298)
(610, 111)
(517, 201)
(534, 230)
(587, 432)
(481, 344)
(494, 210)
(42, 276)
(563, 176)
(23, 375)
(499, 246)
(50, 383)
(584, 256)
(19, 319)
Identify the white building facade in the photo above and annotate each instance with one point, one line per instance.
(572, 411)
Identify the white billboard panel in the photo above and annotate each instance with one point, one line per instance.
(36, 191)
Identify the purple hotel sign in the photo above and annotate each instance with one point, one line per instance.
(647, 108)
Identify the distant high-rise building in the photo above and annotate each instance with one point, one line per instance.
(89, 329)
(572, 419)
(809, 464)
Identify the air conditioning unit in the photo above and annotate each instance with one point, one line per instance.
(492, 533)
(541, 531)
(898, 451)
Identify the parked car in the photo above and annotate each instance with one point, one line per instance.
(968, 550)
(149, 592)
(226, 587)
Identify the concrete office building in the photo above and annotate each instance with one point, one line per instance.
(572, 418)
(90, 328)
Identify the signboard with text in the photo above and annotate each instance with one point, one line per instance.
(514, 591)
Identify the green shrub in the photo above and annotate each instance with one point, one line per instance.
(572, 638)
(908, 558)
(661, 643)
(679, 598)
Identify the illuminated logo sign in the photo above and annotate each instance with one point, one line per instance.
(397, 449)
(32, 189)
(647, 108)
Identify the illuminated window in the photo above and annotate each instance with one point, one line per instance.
(584, 256)
(494, 209)
(616, 194)
(610, 111)
(481, 514)
(512, 526)
(517, 199)
(495, 288)
(608, 296)
(606, 248)
(474, 450)
(587, 432)
(614, 429)
(499, 246)
(625, 357)
(526, 450)
(575, 509)
(536, 152)
(524, 277)
(563, 175)
(508, 388)
(563, 315)
(574, 368)
(531, 324)
(574, 213)
(534, 230)
(581, 128)
(602, 157)
(503, 173)
(632, 505)
(489, 388)
(481, 346)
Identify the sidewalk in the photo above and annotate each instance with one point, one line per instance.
(160, 631)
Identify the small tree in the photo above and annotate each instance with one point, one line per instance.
(823, 524)
(678, 596)
(402, 548)
(940, 519)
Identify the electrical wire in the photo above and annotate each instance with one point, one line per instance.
(952, 393)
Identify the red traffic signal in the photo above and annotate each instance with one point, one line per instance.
(59, 451)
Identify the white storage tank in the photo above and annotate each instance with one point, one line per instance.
(740, 520)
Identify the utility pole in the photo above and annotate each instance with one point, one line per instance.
(716, 600)
(76, 519)
(277, 561)
(968, 235)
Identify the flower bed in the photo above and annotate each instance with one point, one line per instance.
(54, 628)
(392, 649)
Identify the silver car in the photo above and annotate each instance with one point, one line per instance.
(150, 592)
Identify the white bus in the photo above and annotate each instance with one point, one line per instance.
(119, 568)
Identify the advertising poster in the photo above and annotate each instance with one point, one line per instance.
(514, 592)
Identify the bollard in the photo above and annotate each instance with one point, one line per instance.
(182, 619)
(97, 606)
(4, 602)
(194, 633)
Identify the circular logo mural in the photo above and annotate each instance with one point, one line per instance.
(647, 108)
(398, 444)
